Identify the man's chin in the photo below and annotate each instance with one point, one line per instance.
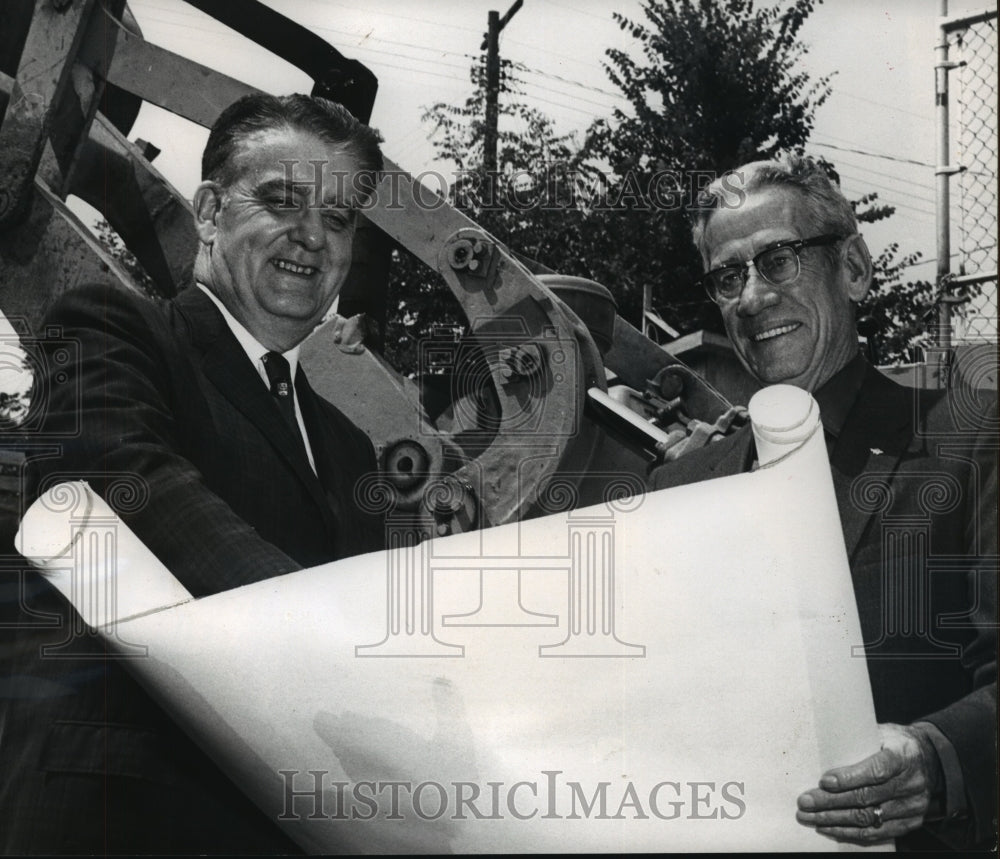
(782, 375)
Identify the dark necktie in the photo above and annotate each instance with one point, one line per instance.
(280, 376)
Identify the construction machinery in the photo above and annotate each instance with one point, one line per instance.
(550, 398)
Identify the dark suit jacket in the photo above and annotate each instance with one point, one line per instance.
(166, 417)
(916, 483)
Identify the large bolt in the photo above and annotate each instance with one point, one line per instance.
(521, 362)
(462, 254)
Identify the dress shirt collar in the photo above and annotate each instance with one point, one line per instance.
(255, 351)
(837, 395)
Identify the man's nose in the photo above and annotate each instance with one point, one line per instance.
(308, 229)
(757, 293)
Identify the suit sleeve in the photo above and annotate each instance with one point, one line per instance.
(117, 429)
(970, 724)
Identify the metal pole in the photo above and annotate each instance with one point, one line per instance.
(492, 92)
(647, 305)
(942, 173)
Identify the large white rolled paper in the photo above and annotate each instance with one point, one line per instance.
(786, 419)
(645, 674)
(783, 418)
(93, 558)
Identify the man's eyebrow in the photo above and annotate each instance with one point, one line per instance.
(270, 186)
(769, 245)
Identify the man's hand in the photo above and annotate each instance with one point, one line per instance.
(349, 334)
(698, 433)
(880, 798)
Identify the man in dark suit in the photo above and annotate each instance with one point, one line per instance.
(191, 418)
(916, 483)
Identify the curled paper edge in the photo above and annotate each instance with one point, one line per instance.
(83, 555)
(784, 418)
(33, 525)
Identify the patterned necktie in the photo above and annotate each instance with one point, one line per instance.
(280, 376)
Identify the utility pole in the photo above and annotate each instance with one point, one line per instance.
(491, 44)
(943, 172)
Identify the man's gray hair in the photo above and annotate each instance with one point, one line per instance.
(827, 208)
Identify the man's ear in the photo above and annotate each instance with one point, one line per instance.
(857, 268)
(207, 203)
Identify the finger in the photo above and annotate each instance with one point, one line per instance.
(864, 817)
(875, 769)
(818, 799)
(871, 835)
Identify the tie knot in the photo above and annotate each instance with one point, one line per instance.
(279, 373)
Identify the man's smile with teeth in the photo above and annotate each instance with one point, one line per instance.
(774, 332)
(285, 265)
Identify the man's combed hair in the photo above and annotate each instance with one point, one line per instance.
(827, 208)
(259, 112)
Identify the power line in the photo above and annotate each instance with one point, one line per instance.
(909, 182)
(604, 18)
(438, 25)
(872, 154)
(368, 37)
(232, 36)
(565, 106)
(577, 98)
(422, 72)
(924, 116)
(863, 181)
(438, 63)
(572, 82)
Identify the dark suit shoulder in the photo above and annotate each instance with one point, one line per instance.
(101, 299)
(965, 410)
(113, 312)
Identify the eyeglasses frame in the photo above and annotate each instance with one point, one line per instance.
(795, 245)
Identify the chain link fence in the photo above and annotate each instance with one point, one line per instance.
(973, 44)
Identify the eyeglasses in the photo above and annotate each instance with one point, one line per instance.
(777, 265)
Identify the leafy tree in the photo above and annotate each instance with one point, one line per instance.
(531, 204)
(14, 406)
(716, 84)
(16, 385)
(894, 316)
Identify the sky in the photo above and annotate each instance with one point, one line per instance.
(878, 121)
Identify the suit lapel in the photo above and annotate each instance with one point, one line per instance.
(874, 438)
(331, 477)
(226, 365)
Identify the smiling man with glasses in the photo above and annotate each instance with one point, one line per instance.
(786, 267)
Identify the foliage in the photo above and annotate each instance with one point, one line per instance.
(127, 260)
(717, 85)
(530, 204)
(711, 85)
(14, 406)
(893, 316)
